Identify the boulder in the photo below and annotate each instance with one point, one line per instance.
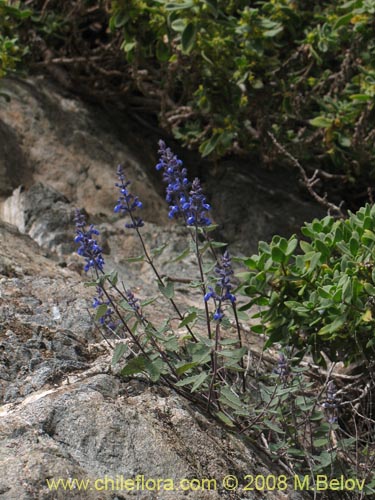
(65, 413)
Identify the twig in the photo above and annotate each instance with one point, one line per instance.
(309, 183)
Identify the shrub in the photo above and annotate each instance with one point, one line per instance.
(320, 298)
(11, 52)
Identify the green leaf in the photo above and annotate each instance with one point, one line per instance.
(227, 421)
(188, 37)
(113, 278)
(273, 32)
(185, 368)
(207, 147)
(273, 426)
(167, 290)
(277, 254)
(154, 369)
(179, 6)
(361, 97)
(202, 354)
(120, 18)
(159, 250)
(171, 344)
(295, 452)
(182, 255)
(196, 380)
(343, 20)
(321, 122)
(242, 316)
(218, 244)
(134, 366)
(140, 258)
(189, 319)
(91, 283)
(354, 246)
(178, 25)
(332, 327)
(125, 306)
(162, 52)
(230, 399)
(292, 245)
(147, 302)
(119, 351)
(233, 354)
(100, 311)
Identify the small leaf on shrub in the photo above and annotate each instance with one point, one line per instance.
(188, 37)
(234, 354)
(332, 327)
(367, 316)
(159, 250)
(321, 122)
(277, 254)
(207, 147)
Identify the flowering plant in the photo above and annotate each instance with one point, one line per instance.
(213, 369)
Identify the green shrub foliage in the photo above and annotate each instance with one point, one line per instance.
(222, 75)
(317, 294)
(11, 52)
(232, 70)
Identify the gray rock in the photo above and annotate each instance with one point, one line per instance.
(64, 414)
(72, 149)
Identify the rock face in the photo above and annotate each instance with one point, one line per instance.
(64, 411)
(50, 137)
(65, 414)
(69, 149)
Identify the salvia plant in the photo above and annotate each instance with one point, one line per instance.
(296, 420)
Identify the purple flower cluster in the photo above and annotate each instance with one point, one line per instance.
(107, 318)
(224, 272)
(197, 206)
(134, 303)
(283, 368)
(89, 248)
(127, 203)
(185, 200)
(331, 404)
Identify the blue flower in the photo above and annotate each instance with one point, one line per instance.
(196, 208)
(177, 191)
(127, 203)
(224, 272)
(134, 303)
(283, 368)
(185, 200)
(107, 318)
(88, 246)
